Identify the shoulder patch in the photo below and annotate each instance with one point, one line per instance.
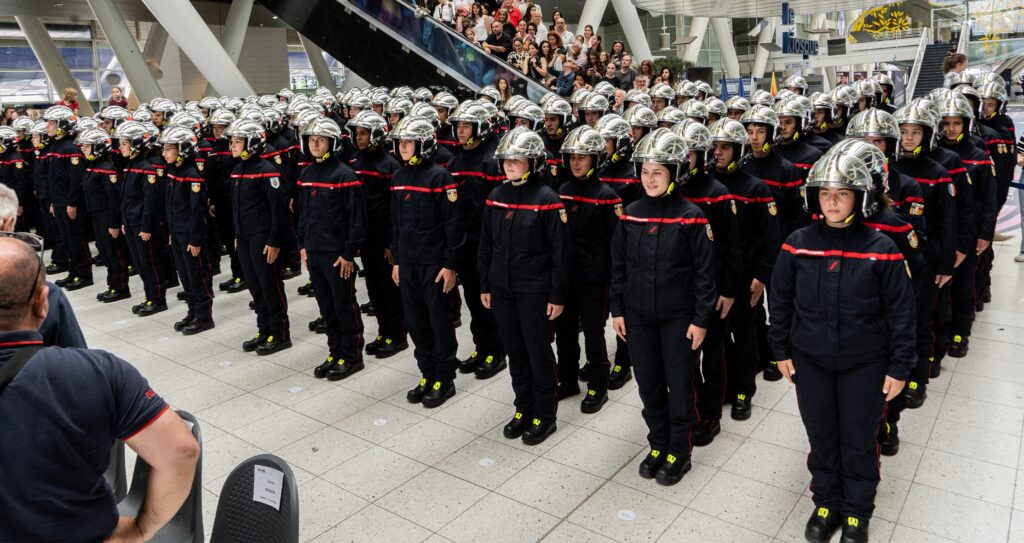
(74, 160)
(563, 215)
(732, 205)
(275, 182)
(711, 235)
(277, 159)
(912, 239)
(453, 195)
(151, 179)
(917, 209)
(773, 210)
(554, 170)
(196, 187)
(618, 210)
(200, 166)
(113, 179)
(160, 171)
(19, 165)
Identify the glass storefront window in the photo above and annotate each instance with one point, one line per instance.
(24, 87)
(18, 58)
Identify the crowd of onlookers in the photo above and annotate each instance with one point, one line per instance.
(544, 48)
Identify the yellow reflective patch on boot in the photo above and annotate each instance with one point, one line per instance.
(671, 459)
(591, 392)
(270, 339)
(437, 385)
(741, 397)
(330, 359)
(853, 521)
(617, 368)
(387, 342)
(536, 422)
(957, 339)
(823, 512)
(489, 359)
(517, 416)
(655, 453)
(912, 385)
(423, 382)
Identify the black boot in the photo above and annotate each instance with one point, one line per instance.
(152, 308)
(889, 439)
(181, 295)
(307, 289)
(567, 389)
(184, 322)
(771, 372)
(273, 345)
(672, 470)
(138, 307)
(741, 407)
(914, 394)
(934, 368)
(371, 347)
(236, 284)
(391, 347)
(343, 368)
(594, 401)
(313, 324)
(649, 466)
(822, 524)
(469, 365)
(705, 432)
(367, 309)
(290, 273)
(538, 431)
(986, 295)
(76, 283)
(197, 326)
(619, 376)
(438, 394)
(585, 372)
(958, 347)
(416, 394)
(55, 268)
(515, 427)
(855, 530)
(250, 345)
(490, 366)
(113, 295)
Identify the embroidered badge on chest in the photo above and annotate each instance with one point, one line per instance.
(773, 210)
(453, 195)
(275, 182)
(618, 210)
(563, 215)
(912, 239)
(196, 187)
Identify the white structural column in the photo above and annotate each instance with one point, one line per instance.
(591, 15)
(761, 55)
(723, 35)
(51, 61)
(126, 49)
(319, 65)
(631, 27)
(698, 29)
(195, 39)
(353, 80)
(235, 26)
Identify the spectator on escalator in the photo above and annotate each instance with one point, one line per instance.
(611, 74)
(502, 84)
(70, 99)
(514, 15)
(479, 20)
(563, 32)
(536, 63)
(625, 74)
(576, 54)
(564, 83)
(618, 51)
(594, 45)
(445, 12)
(521, 32)
(506, 25)
(534, 17)
(953, 64)
(498, 42)
(518, 57)
(588, 32)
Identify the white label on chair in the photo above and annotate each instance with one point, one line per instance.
(266, 487)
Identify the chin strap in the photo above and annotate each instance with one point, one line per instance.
(732, 166)
(849, 219)
(559, 132)
(766, 147)
(960, 137)
(414, 160)
(244, 154)
(523, 179)
(178, 161)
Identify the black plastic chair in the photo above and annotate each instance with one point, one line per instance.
(187, 525)
(116, 474)
(240, 519)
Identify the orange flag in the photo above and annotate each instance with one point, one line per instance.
(775, 85)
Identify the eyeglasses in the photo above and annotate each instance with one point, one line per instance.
(36, 243)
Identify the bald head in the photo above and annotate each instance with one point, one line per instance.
(19, 266)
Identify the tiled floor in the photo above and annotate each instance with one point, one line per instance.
(372, 467)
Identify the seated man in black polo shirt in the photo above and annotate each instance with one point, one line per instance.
(60, 416)
(498, 43)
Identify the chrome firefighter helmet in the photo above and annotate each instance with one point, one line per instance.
(323, 127)
(637, 96)
(445, 100)
(762, 97)
(472, 112)
(417, 130)
(730, 131)
(670, 116)
(843, 170)
(64, 119)
(426, 111)
(372, 122)
(251, 132)
(584, 140)
(640, 115)
(605, 89)
(491, 93)
(873, 123)
(183, 138)
(995, 91)
(873, 158)
(716, 107)
(136, 134)
(97, 138)
(522, 143)
(796, 82)
(695, 110)
(594, 102)
(614, 128)
(529, 112)
(557, 107)
(762, 115)
(662, 146)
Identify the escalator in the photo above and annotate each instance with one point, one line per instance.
(387, 42)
